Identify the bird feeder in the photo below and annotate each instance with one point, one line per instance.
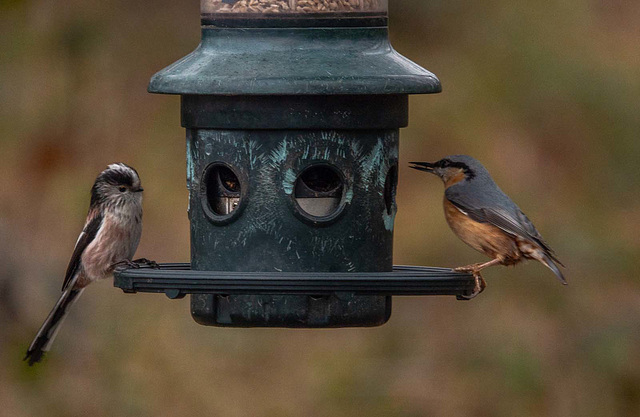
(292, 110)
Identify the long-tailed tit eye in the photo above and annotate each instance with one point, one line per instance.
(122, 189)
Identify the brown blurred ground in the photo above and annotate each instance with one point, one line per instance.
(546, 94)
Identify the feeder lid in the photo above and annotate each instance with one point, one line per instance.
(294, 61)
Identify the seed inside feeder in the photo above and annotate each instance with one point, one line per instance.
(291, 6)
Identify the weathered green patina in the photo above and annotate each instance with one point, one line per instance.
(292, 154)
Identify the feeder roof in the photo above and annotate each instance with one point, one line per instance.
(294, 61)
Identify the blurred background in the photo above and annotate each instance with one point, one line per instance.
(546, 94)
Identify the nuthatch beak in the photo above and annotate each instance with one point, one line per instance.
(437, 168)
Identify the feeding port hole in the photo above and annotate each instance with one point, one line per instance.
(390, 186)
(319, 190)
(222, 189)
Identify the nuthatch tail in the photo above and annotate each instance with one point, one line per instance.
(483, 217)
(110, 237)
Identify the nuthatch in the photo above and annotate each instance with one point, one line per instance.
(483, 217)
(110, 237)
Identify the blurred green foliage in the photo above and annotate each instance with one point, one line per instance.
(545, 93)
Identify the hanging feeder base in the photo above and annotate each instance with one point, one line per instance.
(292, 299)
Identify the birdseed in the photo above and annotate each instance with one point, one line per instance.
(290, 6)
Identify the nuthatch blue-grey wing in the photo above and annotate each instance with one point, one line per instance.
(471, 190)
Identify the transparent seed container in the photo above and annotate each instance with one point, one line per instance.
(300, 8)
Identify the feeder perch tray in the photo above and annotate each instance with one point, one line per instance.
(176, 280)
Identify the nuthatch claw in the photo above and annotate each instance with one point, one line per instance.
(483, 217)
(478, 288)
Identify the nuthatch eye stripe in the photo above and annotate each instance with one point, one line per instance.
(443, 164)
(485, 218)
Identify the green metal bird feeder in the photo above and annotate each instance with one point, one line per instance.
(292, 110)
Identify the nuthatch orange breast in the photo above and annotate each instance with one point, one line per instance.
(486, 219)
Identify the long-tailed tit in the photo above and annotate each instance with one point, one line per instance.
(110, 237)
